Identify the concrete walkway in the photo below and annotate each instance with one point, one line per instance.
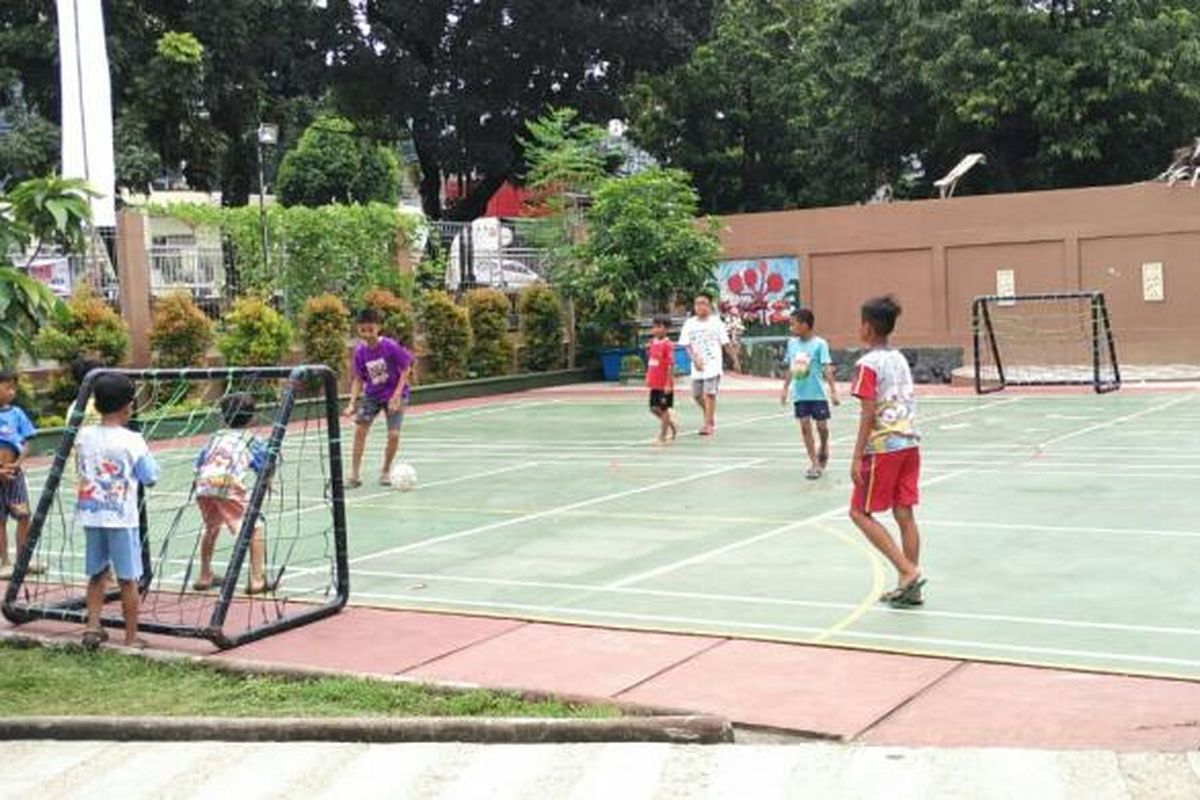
(181, 771)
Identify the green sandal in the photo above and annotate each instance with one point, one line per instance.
(908, 596)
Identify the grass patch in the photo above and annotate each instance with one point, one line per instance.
(37, 681)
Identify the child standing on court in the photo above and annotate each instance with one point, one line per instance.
(886, 465)
(223, 482)
(808, 365)
(706, 339)
(111, 461)
(380, 382)
(15, 430)
(660, 377)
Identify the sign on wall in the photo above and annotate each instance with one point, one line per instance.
(759, 290)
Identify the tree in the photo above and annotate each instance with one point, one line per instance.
(562, 154)
(334, 163)
(644, 244)
(819, 102)
(463, 77)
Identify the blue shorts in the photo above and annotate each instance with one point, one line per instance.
(14, 498)
(121, 547)
(815, 409)
(369, 408)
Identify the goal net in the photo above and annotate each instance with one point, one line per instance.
(1062, 339)
(230, 573)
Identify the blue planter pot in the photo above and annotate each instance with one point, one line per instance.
(610, 362)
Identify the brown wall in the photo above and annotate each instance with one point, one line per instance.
(937, 255)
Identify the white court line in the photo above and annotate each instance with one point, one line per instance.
(1063, 529)
(548, 512)
(477, 410)
(775, 601)
(721, 626)
(1115, 421)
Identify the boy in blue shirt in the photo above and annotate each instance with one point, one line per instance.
(808, 364)
(15, 431)
(110, 462)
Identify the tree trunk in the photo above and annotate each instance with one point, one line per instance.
(475, 203)
(430, 186)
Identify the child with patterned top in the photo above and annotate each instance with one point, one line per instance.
(660, 377)
(15, 430)
(886, 465)
(223, 484)
(111, 461)
(380, 377)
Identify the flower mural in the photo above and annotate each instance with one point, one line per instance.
(757, 290)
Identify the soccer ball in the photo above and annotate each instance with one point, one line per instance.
(403, 476)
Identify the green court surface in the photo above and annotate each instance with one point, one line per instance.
(1057, 529)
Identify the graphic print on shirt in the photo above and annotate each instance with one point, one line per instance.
(224, 466)
(801, 364)
(103, 485)
(377, 371)
(884, 376)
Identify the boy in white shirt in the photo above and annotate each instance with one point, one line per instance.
(705, 338)
(110, 462)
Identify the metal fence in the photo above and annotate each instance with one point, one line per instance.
(197, 271)
(500, 252)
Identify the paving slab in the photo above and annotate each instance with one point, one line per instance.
(565, 659)
(997, 705)
(372, 640)
(819, 690)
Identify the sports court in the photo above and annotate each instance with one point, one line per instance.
(1059, 528)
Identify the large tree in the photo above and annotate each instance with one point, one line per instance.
(815, 102)
(461, 77)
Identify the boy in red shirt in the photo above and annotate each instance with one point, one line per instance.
(886, 465)
(660, 377)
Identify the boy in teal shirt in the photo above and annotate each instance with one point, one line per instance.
(808, 364)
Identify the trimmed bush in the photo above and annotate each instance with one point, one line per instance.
(447, 336)
(541, 329)
(87, 327)
(254, 334)
(492, 348)
(181, 334)
(397, 314)
(323, 331)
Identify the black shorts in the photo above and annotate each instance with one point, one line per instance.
(816, 409)
(660, 398)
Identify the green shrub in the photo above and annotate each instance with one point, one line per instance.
(87, 327)
(51, 421)
(447, 336)
(323, 329)
(397, 314)
(492, 348)
(632, 364)
(181, 334)
(541, 329)
(254, 334)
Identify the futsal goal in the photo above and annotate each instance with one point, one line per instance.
(1056, 339)
(292, 534)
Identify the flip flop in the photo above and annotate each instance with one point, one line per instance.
(813, 473)
(204, 586)
(93, 639)
(353, 483)
(908, 596)
(266, 588)
(137, 644)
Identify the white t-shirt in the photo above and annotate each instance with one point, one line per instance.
(706, 337)
(110, 462)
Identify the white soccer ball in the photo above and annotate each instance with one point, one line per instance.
(403, 476)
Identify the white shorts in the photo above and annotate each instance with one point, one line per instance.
(703, 386)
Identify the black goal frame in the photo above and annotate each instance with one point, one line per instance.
(73, 610)
(1102, 341)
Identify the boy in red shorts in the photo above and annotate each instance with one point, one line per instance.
(660, 377)
(886, 466)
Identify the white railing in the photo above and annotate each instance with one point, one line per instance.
(200, 271)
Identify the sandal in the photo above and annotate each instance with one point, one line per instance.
(353, 483)
(137, 644)
(265, 587)
(908, 596)
(92, 639)
(813, 473)
(204, 586)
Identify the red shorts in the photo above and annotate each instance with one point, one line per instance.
(222, 512)
(889, 480)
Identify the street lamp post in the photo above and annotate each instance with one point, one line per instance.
(267, 134)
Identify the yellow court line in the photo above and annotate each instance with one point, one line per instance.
(878, 576)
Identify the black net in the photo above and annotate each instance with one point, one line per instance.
(1044, 340)
(277, 554)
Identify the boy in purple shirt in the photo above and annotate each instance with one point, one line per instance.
(379, 382)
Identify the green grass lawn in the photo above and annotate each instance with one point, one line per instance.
(36, 681)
